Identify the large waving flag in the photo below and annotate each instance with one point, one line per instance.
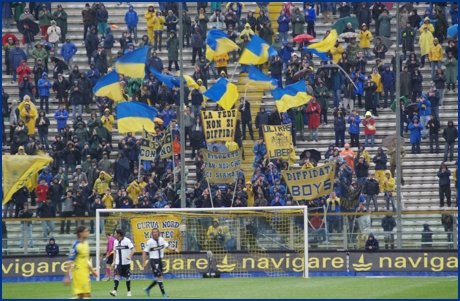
(134, 116)
(257, 79)
(218, 43)
(18, 170)
(132, 64)
(109, 85)
(257, 52)
(224, 93)
(291, 96)
(189, 81)
(326, 44)
(168, 80)
(321, 55)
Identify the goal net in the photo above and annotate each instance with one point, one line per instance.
(214, 242)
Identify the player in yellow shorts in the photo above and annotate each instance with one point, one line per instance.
(79, 265)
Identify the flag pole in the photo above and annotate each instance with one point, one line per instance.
(234, 70)
(234, 192)
(139, 166)
(172, 155)
(183, 184)
(210, 194)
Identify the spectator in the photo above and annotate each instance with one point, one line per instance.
(388, 81)
(26, 226)
(364, 15)
(352, 50)
(384, 23)
(39, 53)
(102, 16)
(197, 45)
(424, 111)
(24, 71)
(76, 99)
(379, 49)
(221, 62)
(310, 18)
(108, 45)
(435, 55)
(44, 87)
(388, 224)
(380, 160)
(369, 128)
(313, 112)
(415, 129)
(321, 93)
(171, 22)
(131, 20)
(372, 244)
(259, 151)
(61, 117)
(444, 185)
(89, 18)
(447, 221)
(340, 124)
(333, 206)
(246, 117)
(426, 41)
(172, 44)
(427, 236)
(450, 134)
(201, 19)
(42, 123)
(28, 114)
(45, 210)
(91, 43)
(217, 19)
(298, 20)
(450, 62)
(377, 10)
(361, 170)
(52, 249)
(68, 50)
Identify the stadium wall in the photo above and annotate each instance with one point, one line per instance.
(271, 264)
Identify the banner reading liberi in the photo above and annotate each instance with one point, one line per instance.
(278, 140)
(219, 125)
(221, 168)
(312, 183)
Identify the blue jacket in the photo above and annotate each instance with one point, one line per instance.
(17, 55)
(281, 190)
(160, 204)
(102, 16)
(42, 89)
(285, 53)
(109, 39)
(68, 50)
(336, 210)
(236, 8)
(61, 122)
(260, 151)
(47, 176)
(327, 6)
(388, 78)
(380, 164)
(93, 78)
(283, 25)
(337, 80)
(131, 18)
(354, 125)
(359, 83)
(454, 15)
(167, 116)
(7, 12)
(424, 107)
(280, 201)
(311, 15)
(287, 120)
(415, 131)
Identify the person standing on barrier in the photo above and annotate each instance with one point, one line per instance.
(388, 224)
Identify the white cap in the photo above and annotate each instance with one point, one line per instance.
(295, 54)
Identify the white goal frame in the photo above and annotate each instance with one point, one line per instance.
(176, 210)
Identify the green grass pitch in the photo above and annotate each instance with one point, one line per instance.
(246, 288)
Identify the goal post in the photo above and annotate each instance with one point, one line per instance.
(232, 242)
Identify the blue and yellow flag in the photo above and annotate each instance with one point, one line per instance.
(224, 93)
(218, 43)
(257, 52)
(168, 80)
(257, 79)
(291, 96)
(321, 55)
(109, 85)
(18, 170)
(134, 116)
(326, 44)
(132, 64)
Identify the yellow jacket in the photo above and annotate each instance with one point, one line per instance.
(107, 122)
(378, 81)
(336, 53)
(250, 194)
(333, 202)
(365, 39)
(221, 63)
(429, 25)
(153, 21)
(31, 123)
(425, 41)
(246, 31)
(366, 156)
(108, 201)
(292, 156)
(133, 191)
(234, 4)
(102, 184)
(214, 231)
(308, 166)
(389, 185)
(231, 146)
(435, 53)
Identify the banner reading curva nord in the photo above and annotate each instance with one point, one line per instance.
(278, 139)
(310, 183)
(219, 125)
(169, 227)
(222, 168)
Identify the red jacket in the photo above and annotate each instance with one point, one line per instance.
(317, 223)
(367, 122)
(21, 72)
(42, 192)
(313, 116)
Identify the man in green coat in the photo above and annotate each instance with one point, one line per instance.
(299, 121)
(451, 71)
(105, 164)
(102, 131)
(202, 20)
(60, 16)
(39, 53)
(297, 21)
(21, 131)
(322, 98)
(266, 33)
(277, 44)
(134, 88)
(18, 9)
(172, 44)
(352, 50)
(44, 19)
(187, 24)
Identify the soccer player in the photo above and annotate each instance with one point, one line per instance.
(109, 256)
(155, 248)
(79, 266)
(123, 252)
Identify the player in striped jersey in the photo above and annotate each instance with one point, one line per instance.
(123, 252)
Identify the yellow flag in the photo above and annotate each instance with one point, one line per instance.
(326, 44)
(17, 171)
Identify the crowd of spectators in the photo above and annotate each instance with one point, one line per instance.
(83, 150)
